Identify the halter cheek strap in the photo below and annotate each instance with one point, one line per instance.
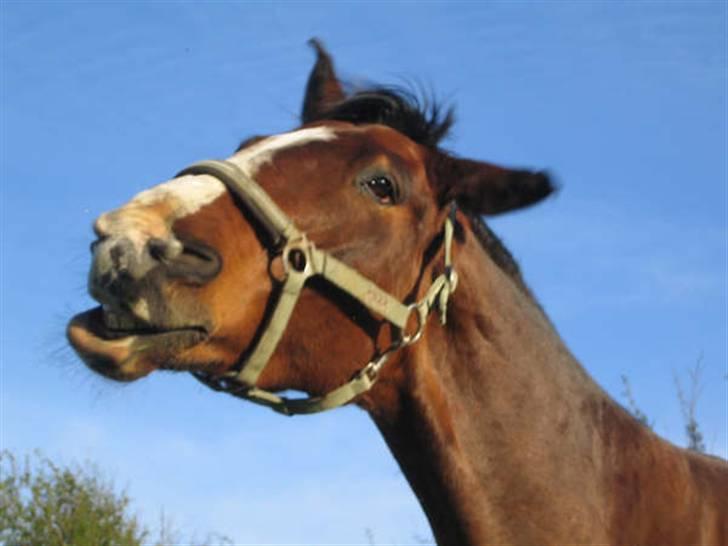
(301, 261)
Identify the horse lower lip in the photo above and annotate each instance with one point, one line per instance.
(106, 324)
(117, 354)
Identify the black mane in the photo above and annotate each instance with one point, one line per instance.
(423, 120)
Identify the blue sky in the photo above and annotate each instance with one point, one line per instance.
(624, 102)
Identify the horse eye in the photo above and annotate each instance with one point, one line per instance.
(383, 189)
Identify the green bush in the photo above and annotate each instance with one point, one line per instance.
(44, 504)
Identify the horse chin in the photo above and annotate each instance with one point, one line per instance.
(127, 354)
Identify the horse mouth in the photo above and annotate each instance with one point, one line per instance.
(118, 345)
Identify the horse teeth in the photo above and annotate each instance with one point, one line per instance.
(116, 320)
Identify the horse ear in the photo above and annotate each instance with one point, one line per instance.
(323, 89)
(484, 188)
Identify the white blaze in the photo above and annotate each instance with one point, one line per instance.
(189, 193)
(192, 192)
(251, 158)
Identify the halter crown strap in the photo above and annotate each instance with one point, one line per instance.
(302, 260)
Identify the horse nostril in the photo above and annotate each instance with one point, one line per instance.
(191, 260)
(199, 252)
(163, 250)
(157, 248)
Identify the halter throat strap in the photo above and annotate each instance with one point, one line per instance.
(301, 261)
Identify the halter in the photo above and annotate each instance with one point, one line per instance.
(301, 261)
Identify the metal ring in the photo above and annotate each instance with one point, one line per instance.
(302, 246)
(421, 314)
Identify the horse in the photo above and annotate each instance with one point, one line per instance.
(348, 259)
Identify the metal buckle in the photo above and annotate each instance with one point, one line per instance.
(421, 314)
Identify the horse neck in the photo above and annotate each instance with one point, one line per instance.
(491, 418)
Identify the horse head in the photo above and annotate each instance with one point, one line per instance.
(189, 274)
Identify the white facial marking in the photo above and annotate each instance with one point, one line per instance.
(141, 309)
(192, 192)
(253, 157)
(189, 193)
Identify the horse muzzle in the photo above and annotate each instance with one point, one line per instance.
(137, 328)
